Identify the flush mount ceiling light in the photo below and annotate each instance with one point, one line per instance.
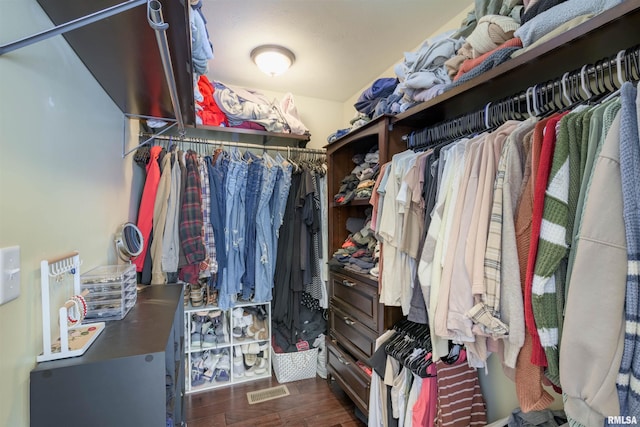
(272, 60)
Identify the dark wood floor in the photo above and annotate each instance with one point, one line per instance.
(311, 402)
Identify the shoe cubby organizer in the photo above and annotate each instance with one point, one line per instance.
(225, 347)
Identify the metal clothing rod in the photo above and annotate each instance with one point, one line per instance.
(71, 25)
(148, 140)
(156, 21)
(142, 116)
(235, 144)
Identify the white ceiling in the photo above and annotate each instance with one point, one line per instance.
(341, 46)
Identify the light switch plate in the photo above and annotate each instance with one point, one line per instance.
(9, 273)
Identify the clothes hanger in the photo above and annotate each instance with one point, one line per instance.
(584, 79)
(556, 98)
(619, 68)
(454, 353)
(534, 101)
(546, 94)
(530, 111)
(615, 89)
(565, 91)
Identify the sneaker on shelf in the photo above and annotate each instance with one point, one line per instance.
(196, 340)
(238, 367)
(197, 370)
(253, 348)
(224, 366)
(210, 363)
(257, 328)
(210, 339)
(258, 368)
(247, 320)
(250, 359)
(222, 376)
(237, 354)
(237, 313)
(237, 332)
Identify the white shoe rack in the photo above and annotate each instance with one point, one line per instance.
(228, 342)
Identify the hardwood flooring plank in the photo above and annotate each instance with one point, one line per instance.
(311, 403)
(269, 420)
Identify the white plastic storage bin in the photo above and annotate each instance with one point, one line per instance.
(112, 291)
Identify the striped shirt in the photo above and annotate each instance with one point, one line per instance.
(460, 400)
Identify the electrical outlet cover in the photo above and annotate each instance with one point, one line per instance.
(9, 273)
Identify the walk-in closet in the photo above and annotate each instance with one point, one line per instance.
(257, 212)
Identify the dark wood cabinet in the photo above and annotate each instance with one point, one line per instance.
(356, 317)
(132, 375)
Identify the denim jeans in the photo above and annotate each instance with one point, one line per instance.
(278, 202)
(217, 176)
(254, 185)
(235, 230)
(265, 254)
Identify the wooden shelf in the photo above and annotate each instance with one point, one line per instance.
(602, 36)
(354, 202)
(122, 53)
(264, 135)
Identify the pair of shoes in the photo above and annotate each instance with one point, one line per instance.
(250, 352)
(197, 370)
(241, 322)
(238, 363)
(259, 367)
(200, 322)
(224, 366)
(216, 330)
(211, 360)
(210, 339)
(197, 295)
(258, 329)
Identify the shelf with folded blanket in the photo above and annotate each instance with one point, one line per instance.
(601, 36)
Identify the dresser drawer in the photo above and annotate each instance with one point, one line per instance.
(349, 376)
(352, 334)
(360, 298)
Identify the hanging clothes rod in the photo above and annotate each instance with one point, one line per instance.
(71, 25)
(151, 138)
(590, 81)
(156, 21)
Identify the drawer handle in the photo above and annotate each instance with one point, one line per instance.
(344, 362)
(348, 321)
(348, 283)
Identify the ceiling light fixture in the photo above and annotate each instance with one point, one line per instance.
(272, 60)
